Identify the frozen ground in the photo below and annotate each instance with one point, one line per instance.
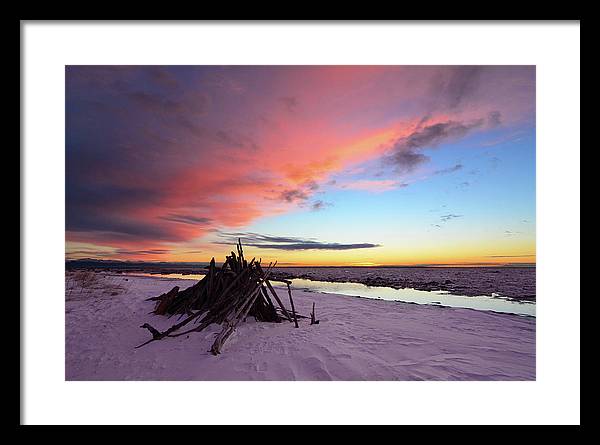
(357, 339)
(514, 282)
(511, 282)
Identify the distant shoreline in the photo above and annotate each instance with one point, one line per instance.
(180, 267)
(512, 282)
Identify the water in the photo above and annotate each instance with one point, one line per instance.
(439, 298)
(443, 298)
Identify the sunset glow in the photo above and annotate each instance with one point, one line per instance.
(309, 165)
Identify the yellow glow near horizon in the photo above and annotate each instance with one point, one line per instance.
(455, 252)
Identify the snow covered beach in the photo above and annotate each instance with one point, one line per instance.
(357, 339)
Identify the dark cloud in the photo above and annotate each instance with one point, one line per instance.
(449, 216)
(82, 196)
(300, 194)
(287, 243)
(452, 169)
(433, 135)
(294, 195)
(129, 132)
(423, 120)
(407, 160)
(456, 85)
(317, 246)
(444, 219)
(251, 237)
(406, 154)
(95, 253)
(104, 209)
(118, 227)
(143, 252)
(91, 253)
(319, 205)
(187, 219)
(311, 185)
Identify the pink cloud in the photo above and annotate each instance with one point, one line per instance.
(374, 185)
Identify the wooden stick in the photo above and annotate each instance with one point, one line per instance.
(284, 310)
(234, 318)
(313, 317)
(162, 306)
(162, 335)
(191, 317)
(292, 303)
(211, 272)
(226, 295)
(212, 317)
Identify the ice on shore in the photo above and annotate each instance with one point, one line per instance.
(357, 339)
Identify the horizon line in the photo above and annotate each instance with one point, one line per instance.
(205, 263)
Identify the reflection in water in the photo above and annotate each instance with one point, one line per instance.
(442, 298)
(482, 303)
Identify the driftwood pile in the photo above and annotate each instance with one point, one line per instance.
(226, 295)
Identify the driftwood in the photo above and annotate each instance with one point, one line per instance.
(313, 319)
(292, 302)
(226, 295)
(165, 301)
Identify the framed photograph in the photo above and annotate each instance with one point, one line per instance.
(294, 204)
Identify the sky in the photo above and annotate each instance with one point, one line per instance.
(308, 165)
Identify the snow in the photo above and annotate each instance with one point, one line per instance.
(356, 339)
